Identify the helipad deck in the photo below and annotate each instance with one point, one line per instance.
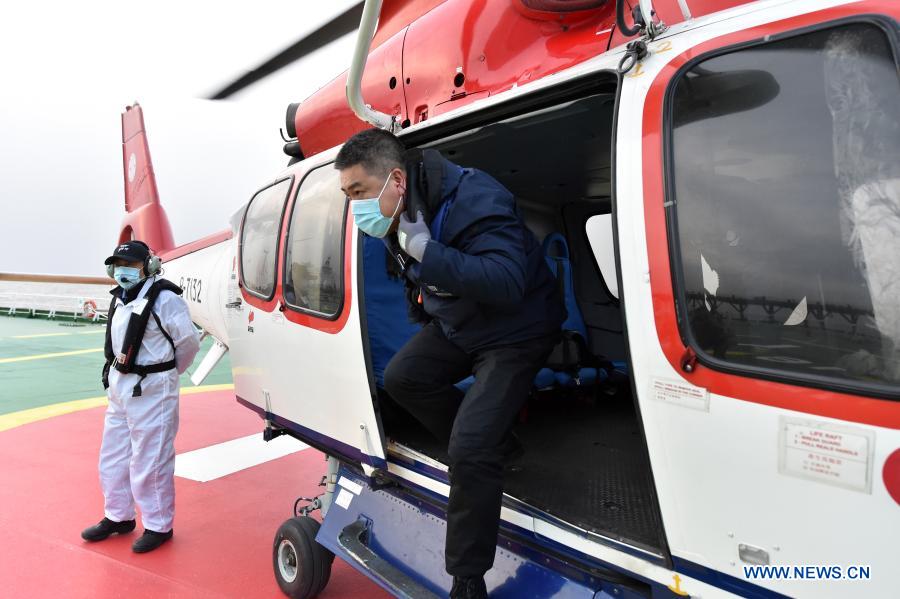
(233, 490)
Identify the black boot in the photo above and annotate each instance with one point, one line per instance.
(469, 587)
(106, 527)
(150, 540)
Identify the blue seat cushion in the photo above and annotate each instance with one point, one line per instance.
(545, 379)
(586, 377)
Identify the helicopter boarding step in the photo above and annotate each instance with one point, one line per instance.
(396, 539)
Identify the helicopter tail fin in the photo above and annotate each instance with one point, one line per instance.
(145, 218)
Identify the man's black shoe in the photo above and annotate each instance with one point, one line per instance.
(150, 540)
(106, 527)
(470, 587)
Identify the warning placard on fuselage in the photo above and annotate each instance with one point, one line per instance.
(833, 454)
(679, 393)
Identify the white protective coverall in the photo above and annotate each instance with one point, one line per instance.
(137, 456)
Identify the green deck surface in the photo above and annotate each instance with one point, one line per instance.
(49, 380)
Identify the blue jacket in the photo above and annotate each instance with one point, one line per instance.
(483, 276)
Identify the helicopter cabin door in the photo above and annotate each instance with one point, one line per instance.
(757, 256)
(301, 359)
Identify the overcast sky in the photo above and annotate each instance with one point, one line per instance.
(68, 71)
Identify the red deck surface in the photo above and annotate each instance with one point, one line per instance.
(49, 492)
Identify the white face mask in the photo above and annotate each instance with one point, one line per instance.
(368, 216)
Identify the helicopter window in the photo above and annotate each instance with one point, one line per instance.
(784, 203)
(313, 278)
(259, 239)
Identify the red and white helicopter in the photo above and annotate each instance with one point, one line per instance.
(718, 182)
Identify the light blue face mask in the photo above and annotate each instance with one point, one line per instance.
(368, 216)
(127, 276)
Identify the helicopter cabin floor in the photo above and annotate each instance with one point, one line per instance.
(584, 463)
(228, 505)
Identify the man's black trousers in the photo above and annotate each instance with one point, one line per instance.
(421, 378)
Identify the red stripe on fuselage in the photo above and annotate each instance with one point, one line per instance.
(203, 243)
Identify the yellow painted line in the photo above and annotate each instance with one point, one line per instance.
(56, 355)
(14, 419)
(205, 388)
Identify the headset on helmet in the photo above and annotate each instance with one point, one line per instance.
(152, 264)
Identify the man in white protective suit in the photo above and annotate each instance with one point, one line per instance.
(150, 340)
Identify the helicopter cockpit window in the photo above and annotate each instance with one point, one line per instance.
(313, 279)
(784, 201)
(259, 239)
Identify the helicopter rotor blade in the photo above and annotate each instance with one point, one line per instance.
(344, 23)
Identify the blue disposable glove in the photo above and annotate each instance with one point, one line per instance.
(414, 236)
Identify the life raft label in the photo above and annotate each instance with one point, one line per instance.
(824, 452)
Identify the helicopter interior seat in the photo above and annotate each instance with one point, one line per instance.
(570, 364)
(581, 368)
(389, 327)
(596, 283)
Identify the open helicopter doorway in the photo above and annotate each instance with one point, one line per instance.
(585, 460)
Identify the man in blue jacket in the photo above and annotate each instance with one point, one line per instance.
(492, 308)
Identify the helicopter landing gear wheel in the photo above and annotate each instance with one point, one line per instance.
(302, 566)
